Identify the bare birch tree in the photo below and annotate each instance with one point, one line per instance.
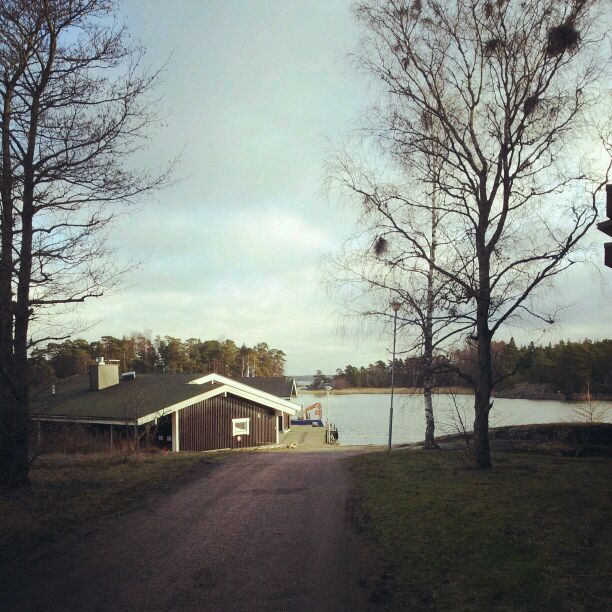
(378, 267)
(75, 108)
(510, 84)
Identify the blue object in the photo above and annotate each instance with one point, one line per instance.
(311, 422)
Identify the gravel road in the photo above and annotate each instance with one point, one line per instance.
(263, 531)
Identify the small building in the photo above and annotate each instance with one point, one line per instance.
(188, 411)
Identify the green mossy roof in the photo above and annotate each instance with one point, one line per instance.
(130, 399)
(281, 386)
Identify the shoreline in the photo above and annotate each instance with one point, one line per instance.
(506, 394)
(384, 390)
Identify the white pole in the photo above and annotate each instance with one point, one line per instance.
(328, 388)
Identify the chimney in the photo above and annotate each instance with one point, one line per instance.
(103, 374)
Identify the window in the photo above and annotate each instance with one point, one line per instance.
(240, 427)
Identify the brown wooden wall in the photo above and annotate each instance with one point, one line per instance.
(207, 425)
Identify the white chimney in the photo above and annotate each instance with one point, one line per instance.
(103, 375)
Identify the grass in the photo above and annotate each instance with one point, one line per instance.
(68, 491)
(531, 534)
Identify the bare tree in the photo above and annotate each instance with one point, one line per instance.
(590, 410)
(75, 107)
(379, 268)
(510, 86)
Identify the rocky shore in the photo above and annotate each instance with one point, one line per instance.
(543, 391)
(567, 439)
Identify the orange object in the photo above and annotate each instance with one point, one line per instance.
(317, 410)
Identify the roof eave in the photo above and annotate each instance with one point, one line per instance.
(68, 418)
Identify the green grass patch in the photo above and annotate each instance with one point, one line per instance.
(68, 491)
(531, 534)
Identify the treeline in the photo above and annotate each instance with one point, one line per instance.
(568, 368)
(408, 373)
(142, 354)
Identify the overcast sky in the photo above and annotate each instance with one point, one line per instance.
(256, 93)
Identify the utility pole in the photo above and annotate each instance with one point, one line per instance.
(328, 388)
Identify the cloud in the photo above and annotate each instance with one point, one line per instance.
(251, 92)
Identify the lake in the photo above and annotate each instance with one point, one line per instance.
(364, 418)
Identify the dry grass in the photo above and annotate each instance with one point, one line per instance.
(68, 491)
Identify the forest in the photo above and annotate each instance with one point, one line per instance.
(566, 368)
(142, 354)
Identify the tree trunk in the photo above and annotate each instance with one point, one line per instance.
(14, 459)
(20, 455)
(482, 402)
(428, 333)
(19, 458)
(14, 450)
(430, 442)
(428, 374)
(482, 452)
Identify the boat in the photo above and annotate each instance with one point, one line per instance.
(311, 422)
(332, 432)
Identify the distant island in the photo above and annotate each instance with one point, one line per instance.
(566, 370)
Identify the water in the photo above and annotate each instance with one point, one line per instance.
(364, 418)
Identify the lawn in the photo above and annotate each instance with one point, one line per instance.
(68, 491)
(531, 534)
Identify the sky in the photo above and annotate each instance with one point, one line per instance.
(255, 96)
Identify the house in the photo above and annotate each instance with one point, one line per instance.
(192, 412)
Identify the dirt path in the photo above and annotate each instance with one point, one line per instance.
(263, 531)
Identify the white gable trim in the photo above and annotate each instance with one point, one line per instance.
(264, 399)
(286, 406)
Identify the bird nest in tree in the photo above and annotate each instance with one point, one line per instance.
(531, 104)
(380, 246)
(491, 46)
(561, 38)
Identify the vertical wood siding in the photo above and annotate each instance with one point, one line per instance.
(207, 425)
